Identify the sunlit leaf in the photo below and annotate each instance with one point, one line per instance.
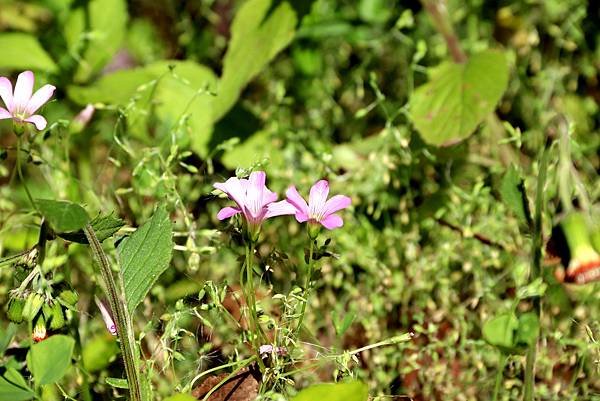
(63, 216)
(349, 391)
(22, 51)
(49, 360)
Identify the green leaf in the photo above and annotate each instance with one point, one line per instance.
(6, 336)
(99, 352)
(22, 51)
(255, 40)
(529, 329)
(100, 41)
(13, 387)
(457, 98)
(512, 190)
(63, 216)
(181, 397)
(49, 360)
(348, 391)
(145, 256)
(500, 330)
(105, 226)
(117, 383)
(256, 148)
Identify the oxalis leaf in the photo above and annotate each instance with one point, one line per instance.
(49, 360)
(63, 216)
(348, 391)
(145, 256)
(457, 98)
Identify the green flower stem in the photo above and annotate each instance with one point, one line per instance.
(257, 333)
(121, 315)
(20, 172)
(536, 269)
(307, 284)
(502, 358)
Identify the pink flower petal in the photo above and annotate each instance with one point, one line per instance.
(23, 90)
(234, 189)
(295, 199)
(106, 316)
(6, 93)
(227, 212)
(301, 217)
(280, 208)
(39, 121)
(257, 179)
(40, 97)
(337, 202)
(318, 197)
(4, 114)
(332, 221)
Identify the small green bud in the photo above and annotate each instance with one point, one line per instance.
(32, 306)
(58, 317)
(15, 309)
(68, 297)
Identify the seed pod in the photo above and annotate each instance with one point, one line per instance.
(15, 310)
(58, 317)
(39, 330)
(68, 297)
(32, 306)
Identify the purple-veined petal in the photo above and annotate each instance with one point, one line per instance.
(234, 189)
(337, 202)
(37, 120)
(6, 93)
(4, 114)
(298, 201)
(257, 179)
(23, 91)
(332, 221)
(227, 212)
(106, 316)
(256, 198)
(280, 208)
(318, 197)
(40, 97)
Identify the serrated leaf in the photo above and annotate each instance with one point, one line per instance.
(63, 216)
(104, 226)
(145, 256)
(255, 40)
(49, 360)
(13, 387)
(457, 98)
(21, 51)
(348, 391)
(512, 190)
(500, 330)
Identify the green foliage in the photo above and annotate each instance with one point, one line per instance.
(511, 334)
(513, 194)
(13, 387)
(63, 216)
(458, 97)
(181, 397)
(144, 256)
(23, 51)
(98, 352)
(348, 391)
(49, 360)
(105, 226)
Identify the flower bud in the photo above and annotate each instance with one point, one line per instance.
(15, 309)
(584, 264)
(68, 297)
(82, 119)
(32, 306)
(39, 330)
(58, 317)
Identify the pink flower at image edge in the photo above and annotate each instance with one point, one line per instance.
(23, 103)
(318, 209)
(253, 199)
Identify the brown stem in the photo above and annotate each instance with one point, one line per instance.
(439, 14)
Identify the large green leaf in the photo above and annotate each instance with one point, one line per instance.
(22, 51)
(49, 360)
(13, 387)
(105, 33)
(63, 216)
(255, 40)
(458, 97)
(349, 391)
(145, 256)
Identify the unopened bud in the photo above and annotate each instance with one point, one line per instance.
(15, 309)
(32, 306)
(39, 330)
(58, 317)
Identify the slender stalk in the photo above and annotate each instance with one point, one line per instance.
(439, 14)
(20, 172)
(257, 333)
(499, 374)
(122, 318)
(536, 268)
(307, 284)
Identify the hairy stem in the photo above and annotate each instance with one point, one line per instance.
(121, 315)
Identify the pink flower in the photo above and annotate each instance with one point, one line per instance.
(254, 200)
(319, 209)
(85, 115)
(21, 105)
(106, 316)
